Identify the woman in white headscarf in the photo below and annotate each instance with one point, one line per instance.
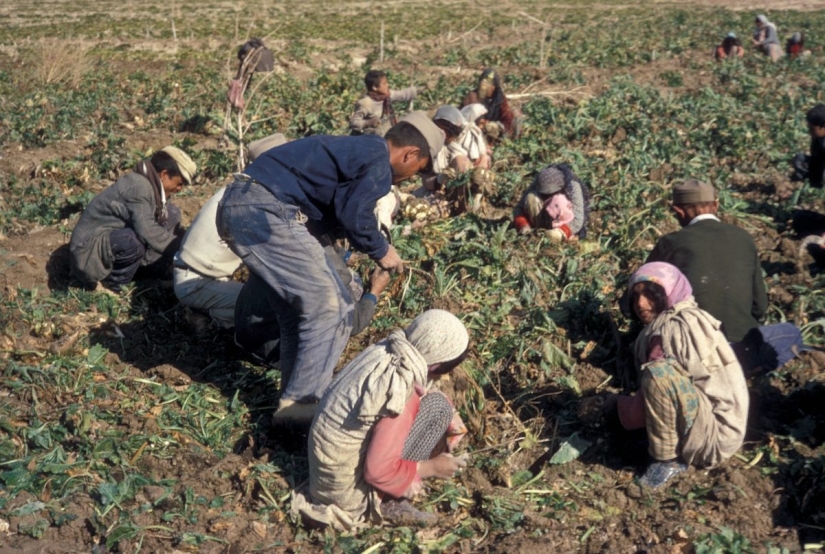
(766, 39)
(376, 429)
(471, 139)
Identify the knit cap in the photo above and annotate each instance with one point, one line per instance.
(550, 181)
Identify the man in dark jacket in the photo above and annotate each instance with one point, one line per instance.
(719, 260)
(131, 224)
(331, 182)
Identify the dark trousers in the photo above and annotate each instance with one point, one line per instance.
(129, 252)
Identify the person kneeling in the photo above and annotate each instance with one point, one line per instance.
(378, 432)
(693, 398)
(556, 200)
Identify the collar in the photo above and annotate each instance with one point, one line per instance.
(163, 196)
(703, 217)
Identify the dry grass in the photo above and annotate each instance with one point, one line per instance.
(59, 61)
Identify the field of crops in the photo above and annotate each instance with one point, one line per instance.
(123, 430)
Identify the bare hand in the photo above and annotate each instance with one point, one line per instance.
(443, 466)
(391, 261)
(525, 230)
(379, 281)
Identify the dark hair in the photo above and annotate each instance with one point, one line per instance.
(729, 42)
(449, 365)
(248, 47)
(652, 290)
(163, 161)
(816, 115)
(373, 78)
(449, 128)
(404, 134)
(493, 104)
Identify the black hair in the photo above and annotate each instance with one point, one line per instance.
(493, 104)
(249, 46)
(652, 290)
(449, 128)
(404, 134)
(373, 78)
(816, 115)
(162, 160)
(730, 42)
(448, 366)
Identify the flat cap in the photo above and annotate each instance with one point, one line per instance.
(185, 164)
(258, 147)
(693, 191)
(431, 133)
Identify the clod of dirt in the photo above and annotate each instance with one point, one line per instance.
(634, 491)
(170, 375)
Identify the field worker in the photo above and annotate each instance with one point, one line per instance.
(471, 139)
(379, 432)
(766, 39)
(329, 182)
(256, 316)
(253, 57)
(132, 224)
(374, 113)
(812, 167)
(501, 120)
(730, 48)
(556, 200)
(795, 47)
(693, 398)
(721, 262)
(204, 265)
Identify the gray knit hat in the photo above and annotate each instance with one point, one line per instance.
(550, 181)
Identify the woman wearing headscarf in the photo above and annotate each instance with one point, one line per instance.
(693, 399)
(766, 39)
(795, 47)
(377, 427)
(501, 120)
(556, 200)
(471, 139)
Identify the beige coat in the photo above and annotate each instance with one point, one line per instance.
(694, 339)
(369, 113)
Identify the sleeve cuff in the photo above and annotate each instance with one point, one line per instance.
(369, 296)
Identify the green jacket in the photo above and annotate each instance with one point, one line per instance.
(129, 202)
(722, 265)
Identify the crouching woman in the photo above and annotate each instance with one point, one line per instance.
(378, 433)
(556, 200)
(693, 399)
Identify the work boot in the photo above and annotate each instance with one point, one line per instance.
(659, 473)
(294, 413)
(402, 513)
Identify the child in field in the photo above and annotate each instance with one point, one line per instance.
(374, 113)
(556, 200)
(730, 48)
(795, 47)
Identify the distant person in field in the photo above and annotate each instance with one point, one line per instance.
(693, 398)
(722, 265)
(132, 223)
(731, 48)
(501, 120)
(204, 265)
(374, 113)
(765, 38)
(379, 432)
(472, 140)
(273, 215)
(812, 167)
(795, 47)
(556, 200)
(253, 57)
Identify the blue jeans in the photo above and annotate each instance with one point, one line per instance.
(313, 306)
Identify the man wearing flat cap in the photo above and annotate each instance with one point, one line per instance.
(132, 224)
(719, 260)
(323, 182)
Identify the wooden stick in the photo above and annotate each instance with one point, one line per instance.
(381, 55)
(571, 92)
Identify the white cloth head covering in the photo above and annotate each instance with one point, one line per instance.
(762, 19)
(438, 335)
(472, 112)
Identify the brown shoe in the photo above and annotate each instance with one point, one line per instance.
(294, 413)
(402, 513)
